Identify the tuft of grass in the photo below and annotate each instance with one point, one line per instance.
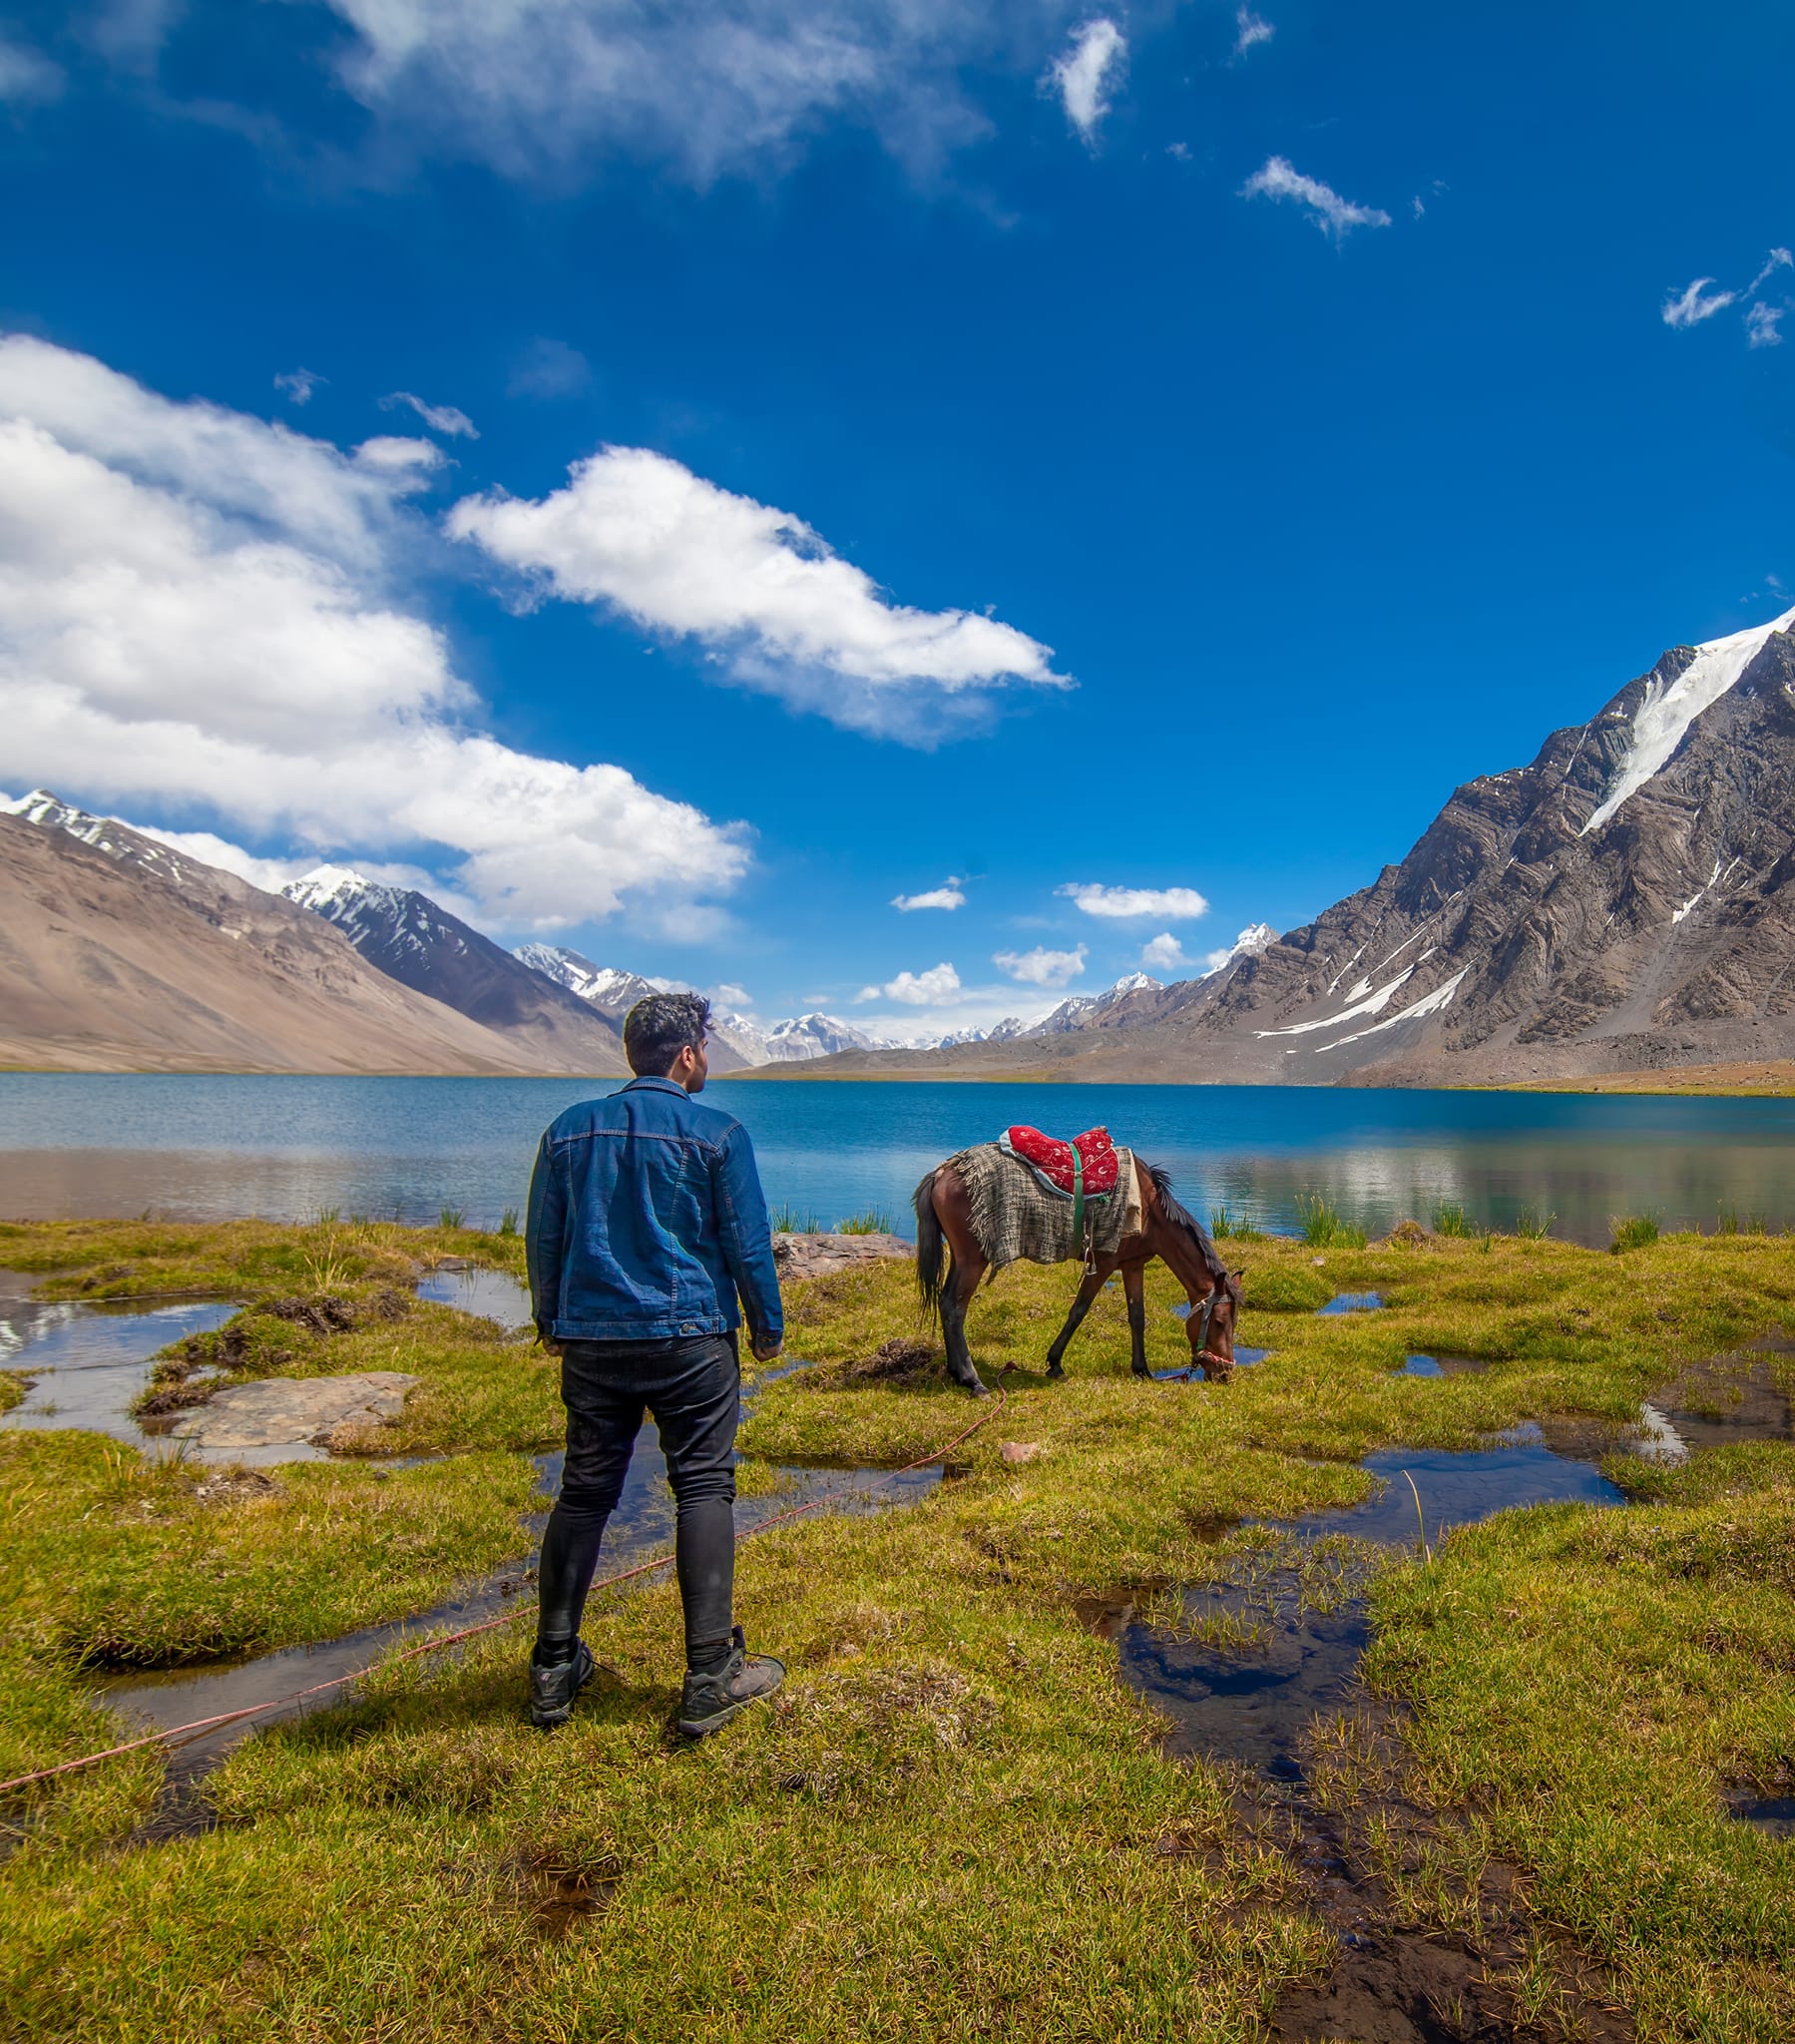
(452, 1218)
(1227, 1226)
(1322, 1226)
(1449, 1218)
(875, 1220)
(790, 1219)
(1632, 1232)
(508, 1220)
(1532, 1226)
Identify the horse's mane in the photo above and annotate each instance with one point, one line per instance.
(1180, 1216)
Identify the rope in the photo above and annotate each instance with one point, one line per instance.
(183, 1734)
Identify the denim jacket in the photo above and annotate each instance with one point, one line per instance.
(645, 1219)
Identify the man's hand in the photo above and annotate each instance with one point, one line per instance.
(547, 1343)
(766, 1348)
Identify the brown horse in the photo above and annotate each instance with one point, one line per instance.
(1177, 1239)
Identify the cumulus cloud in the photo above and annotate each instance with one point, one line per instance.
(440, 418)
(537, 88)
(1176, 904)
(948, 895)
(26, 75)
(637, 532)
(1693, 304)
(549, 368)
(1042, 967)
(1249, 29)
(1162, 953)
(733, 996)
(297, 385)
(916, 989)
(196, 611)
(1696, 303)
(1084, 76)
(1761, 326)
(1334, 216)
(398, 457)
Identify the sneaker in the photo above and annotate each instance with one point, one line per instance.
(710, 1701)
(553, 1690)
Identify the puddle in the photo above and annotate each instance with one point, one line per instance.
(1420, 1367)
(90, 1361)
(1353, 1302)
(491, 1295)
(1774, 1816)
(1254, 1701)
(641, 1525)
(1721, 1404)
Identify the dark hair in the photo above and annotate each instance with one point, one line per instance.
(658, 1029)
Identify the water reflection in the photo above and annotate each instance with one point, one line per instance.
(212, 1146)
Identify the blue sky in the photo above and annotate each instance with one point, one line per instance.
(1159, 449)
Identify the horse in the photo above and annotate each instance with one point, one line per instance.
(1177, 1238)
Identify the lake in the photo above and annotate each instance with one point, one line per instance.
(210, 1147)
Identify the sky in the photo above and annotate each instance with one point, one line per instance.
(907, 509)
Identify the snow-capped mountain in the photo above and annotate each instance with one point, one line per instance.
(419, 943)
(1081, 1011)
(608, 989)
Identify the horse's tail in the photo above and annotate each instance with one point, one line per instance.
(930, 1245)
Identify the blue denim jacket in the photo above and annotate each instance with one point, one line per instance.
(645, 1219)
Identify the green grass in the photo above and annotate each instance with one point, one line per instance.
(875, 1220)
(790, 1219)
(1227, 1226)
(1322, 1226)
(954, 1822)
(1450, 1220)
(1633, 1231)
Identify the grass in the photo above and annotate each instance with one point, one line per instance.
(1450, 1220)
(1322, 1226)
(953, 1821)
(1227, 1226)
(790, 1219)
(875, 1220)
(1632, 1232)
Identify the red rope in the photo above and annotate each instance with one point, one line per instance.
(182, 1733)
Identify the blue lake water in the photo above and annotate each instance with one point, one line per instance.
(287, 1147)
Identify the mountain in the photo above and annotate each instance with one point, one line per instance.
(412, 939)
(744, 1042)
(1624, 903)
(120, 954)
(1090, 1011)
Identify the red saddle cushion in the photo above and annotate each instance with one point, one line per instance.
(1053, 1159)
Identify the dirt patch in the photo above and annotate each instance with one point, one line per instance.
(898, 1361)
(1433, 1946)
(329, 1313)
(234, 1487)
(560, 1893)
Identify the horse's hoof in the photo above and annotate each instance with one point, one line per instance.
(1053, 1370)
(977, 1389)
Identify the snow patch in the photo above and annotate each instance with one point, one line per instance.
(1373, 1005)
(1665, 714)
(1429, 1004)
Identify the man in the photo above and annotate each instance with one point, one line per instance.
(646, 1219)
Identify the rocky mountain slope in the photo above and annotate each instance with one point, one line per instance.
(413, 940)
(119, 955)
(1625, 902)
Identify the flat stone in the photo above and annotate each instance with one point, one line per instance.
(815, 1256)
(277, 1410)
(1020, 1451)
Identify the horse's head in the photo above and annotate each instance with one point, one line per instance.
(1211, 1327)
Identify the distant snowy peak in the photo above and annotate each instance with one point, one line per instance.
(604, 986)
(107, 834)
(1665, 710)
(329, 891)
(1078, 1010)
(813, 1036)
(1256, 937)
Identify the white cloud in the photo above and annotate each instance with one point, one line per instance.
(1778, 258)
(1280, 178)
(916, 989)
(440, 418)
(1177, 905)
(946, 896)
(297, 385)
(1249, 29)
(732, 996)
(27, 75)
(1042, 967)
(539, 86)
(1690, 307)
(1763, 323)
(1084, 76)
(196, 611)
(1162, 953)
(549, 368)
(397, 458)
(636, 532)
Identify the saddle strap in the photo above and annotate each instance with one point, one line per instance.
(1077, 1195)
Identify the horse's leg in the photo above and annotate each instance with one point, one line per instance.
(956, 1296)
(1092, 1283)
(1134, 1286)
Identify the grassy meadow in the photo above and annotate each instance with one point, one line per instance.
(953, 1821)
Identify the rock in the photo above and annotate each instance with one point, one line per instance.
(1409, 1234)
(279, 1412)
(1020, 1451)
(816, 1256)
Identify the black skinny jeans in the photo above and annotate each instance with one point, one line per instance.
(693, 1386)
